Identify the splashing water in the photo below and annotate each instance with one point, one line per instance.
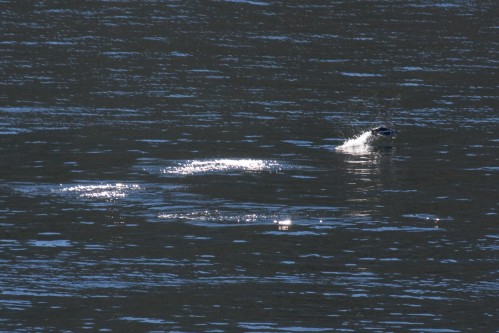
(360, 140)
(363, 143)
(357, 145)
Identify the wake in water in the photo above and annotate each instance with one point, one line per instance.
(363, 143)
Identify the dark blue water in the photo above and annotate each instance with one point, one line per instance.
(180, 166)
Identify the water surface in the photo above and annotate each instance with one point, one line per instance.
(175, 166)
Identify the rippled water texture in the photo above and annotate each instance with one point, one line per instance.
(208, 166)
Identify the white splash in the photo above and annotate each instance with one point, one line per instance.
(358, 145)
(222, 165)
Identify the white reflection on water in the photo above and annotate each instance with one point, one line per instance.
(50, 243)
(283, 225)
(216, 216)
(101, 191)
(222, 165)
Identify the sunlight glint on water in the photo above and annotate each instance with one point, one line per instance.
(222, 165)
(101, 191)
